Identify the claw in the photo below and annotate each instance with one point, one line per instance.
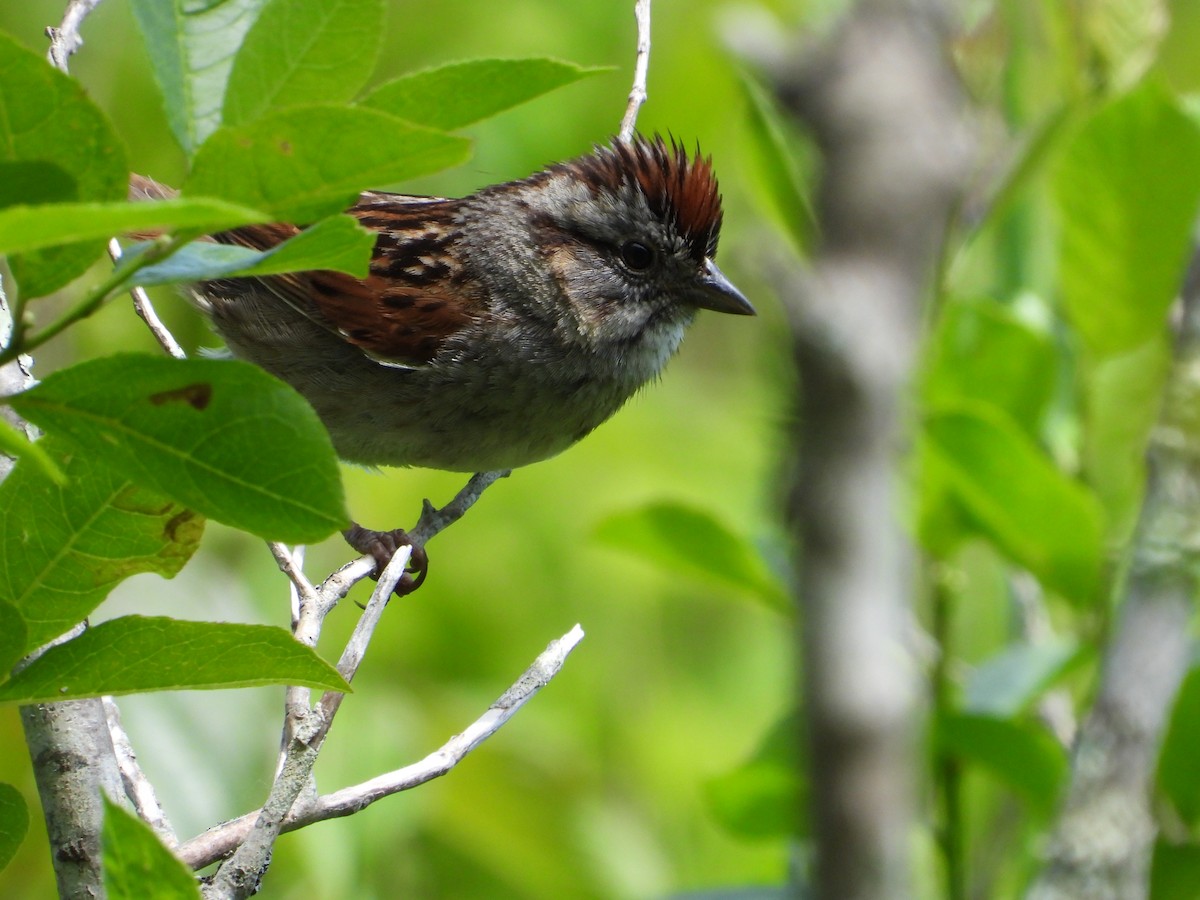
(382, 545)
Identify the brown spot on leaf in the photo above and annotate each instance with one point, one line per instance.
(197, 395)
(175, 524)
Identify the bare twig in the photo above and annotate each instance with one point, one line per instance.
(138, 788)
(145, 310)
(637, 94)
(240, 876)
(304, 595)
(304, 734)
(65, 39)
(356, 647)
(218, 842)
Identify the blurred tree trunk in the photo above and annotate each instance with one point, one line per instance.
(886, 113)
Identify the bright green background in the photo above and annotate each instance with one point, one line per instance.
(597, 787)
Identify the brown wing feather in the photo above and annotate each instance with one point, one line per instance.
(415, 297)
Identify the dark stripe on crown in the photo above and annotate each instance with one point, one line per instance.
(679, 189)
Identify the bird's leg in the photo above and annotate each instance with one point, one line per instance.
(382, 545)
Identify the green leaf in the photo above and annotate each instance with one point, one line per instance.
(14, 636)
(191, 47)
(983, 351)
(15, 443)
(693, 542)
(219, 436)
(35, 181)
(64, 548)
(1007, 490)
(136, 864)
(48, 124)
(1174, 871)
(762, 798)
(780, 185)
(1127, 189)
(337, 244)
(25, 228)
(1009, 682)
(305, 163)
(1124, 36)
(299, 53)
(1177, 773)
(14, 822)
(134, 654)
(1022, 755)
(455, 95)
(1122, 396)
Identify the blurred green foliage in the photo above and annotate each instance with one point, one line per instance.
(658, 761)
(598, 787)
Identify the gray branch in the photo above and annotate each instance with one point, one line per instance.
(218, 842)
(886, 112)
(1105, 832)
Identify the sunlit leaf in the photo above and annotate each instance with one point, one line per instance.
(1177, 772)
(459, 94)
(134, 654)
(25, 228)
(298, 53)
(763, 797)
(191, 47)
(1021, 755)
(49, 127)
(1007, 683)
(63, 548)
(218, 436)
(1127, 189)
(1174, 870)
(982, 351)
(305, 163)
(338, 244)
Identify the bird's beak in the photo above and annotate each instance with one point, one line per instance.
(716, 292)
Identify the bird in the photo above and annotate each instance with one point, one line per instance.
(492, 330)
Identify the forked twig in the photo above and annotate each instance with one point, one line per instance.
(219, 842)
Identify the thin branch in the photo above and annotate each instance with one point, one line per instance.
(304, 595)
(65, 39)
(356, 647)
(146, 312)
(92, 301)
(138, 788)
(433, 520)
(218, 842)
(305, 732)
(242, 874)
(637, 93)
(1103, 839)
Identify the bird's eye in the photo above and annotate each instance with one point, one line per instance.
(637, 256)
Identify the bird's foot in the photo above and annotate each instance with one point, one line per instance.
(382, 545)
